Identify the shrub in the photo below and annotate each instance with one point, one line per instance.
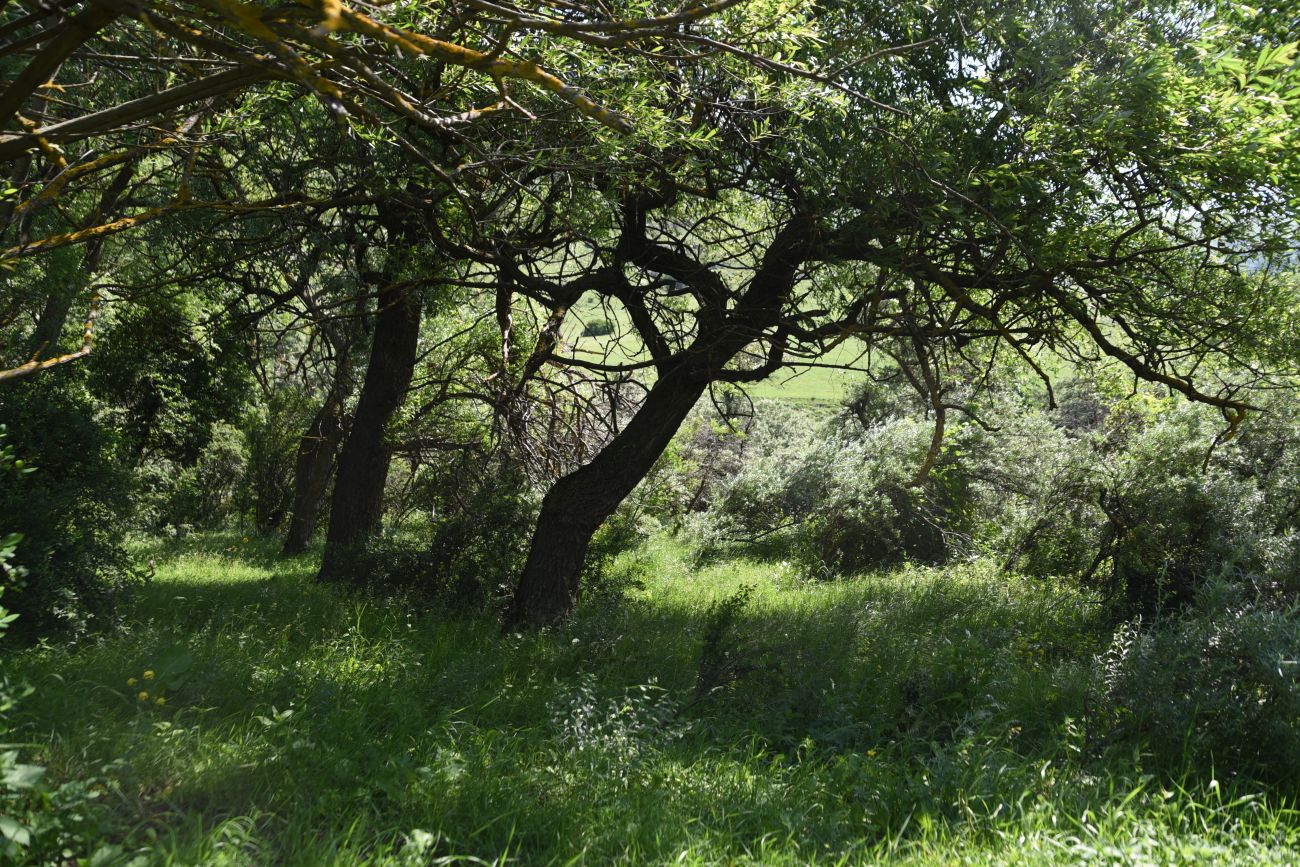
(1218, 685)
(598, 328)
(70, 513)
(837, 497)
(469, 557)
(207, 492)
(724, 656)
(37, 823)
(273, 432)
(1144, 494)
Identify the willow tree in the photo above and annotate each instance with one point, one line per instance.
(1090, 178)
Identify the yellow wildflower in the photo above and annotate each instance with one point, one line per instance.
(148, 675)
(871, 752)
(160, 701)
(131, 681)
(144, 696)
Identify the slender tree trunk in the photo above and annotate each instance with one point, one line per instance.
(357, 503)
(320, 443)
(312, 472)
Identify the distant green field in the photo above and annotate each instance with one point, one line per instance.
(620, 346)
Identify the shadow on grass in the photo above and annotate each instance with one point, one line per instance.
(839, 719)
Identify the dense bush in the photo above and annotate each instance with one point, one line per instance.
(466, 557)
(835, 494)
(1140, 501)
(1217, 686)
(1141, 496)
(70, 512)
(242, 472)
(39, 823)
(165, 375)
(273, 432)
(203, 494)
(598, 328)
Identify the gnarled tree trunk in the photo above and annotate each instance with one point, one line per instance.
(578, 504)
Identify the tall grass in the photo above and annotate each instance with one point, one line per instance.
(916, 717)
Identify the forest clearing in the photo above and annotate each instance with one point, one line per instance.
(648, 432)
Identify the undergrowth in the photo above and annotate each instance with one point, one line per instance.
(734, 714)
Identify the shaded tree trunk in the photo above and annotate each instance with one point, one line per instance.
(357, 503)
(312, 471)
(318, 450)
(579, 503)
(53, 319)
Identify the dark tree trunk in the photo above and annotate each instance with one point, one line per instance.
(357, 503)
(312, 471)
(316, 453)
(579, 503)
(53, 319)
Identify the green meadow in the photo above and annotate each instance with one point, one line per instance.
(728, 713)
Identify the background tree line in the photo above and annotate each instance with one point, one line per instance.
(336, 261)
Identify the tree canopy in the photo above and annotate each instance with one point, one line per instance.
(743, 187)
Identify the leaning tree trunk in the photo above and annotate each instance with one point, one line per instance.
(357, 503)
(579, 503)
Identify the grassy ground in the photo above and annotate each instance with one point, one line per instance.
(916, 718)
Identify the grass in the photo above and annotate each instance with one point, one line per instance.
(920, 717)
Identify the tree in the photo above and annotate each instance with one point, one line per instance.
(180, 82)
(1093, 179)
(357, 504)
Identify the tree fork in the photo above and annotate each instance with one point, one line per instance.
(579, 503)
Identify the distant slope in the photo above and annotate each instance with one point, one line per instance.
(585, 332)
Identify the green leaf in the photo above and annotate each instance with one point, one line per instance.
(15, 832)
(19, 777)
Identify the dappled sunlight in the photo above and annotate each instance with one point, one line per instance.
(905, 712)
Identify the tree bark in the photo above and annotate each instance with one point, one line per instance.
(315, 463)
(53, 319)
(357, 503)
(579, 503)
